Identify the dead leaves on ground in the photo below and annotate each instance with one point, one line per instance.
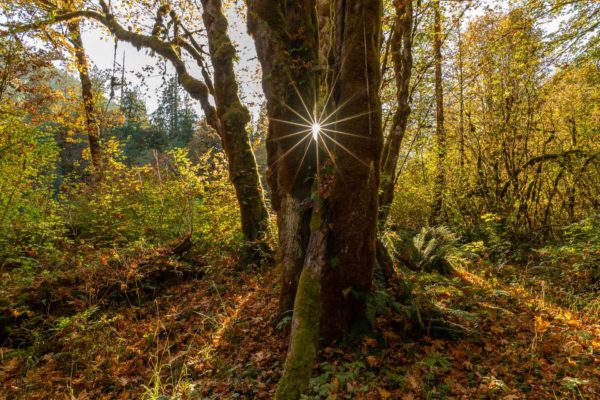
(213, 338)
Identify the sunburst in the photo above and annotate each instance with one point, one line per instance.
(318, 129)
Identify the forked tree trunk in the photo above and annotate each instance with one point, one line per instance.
(333, 251)
(91, 119)
(286, 38)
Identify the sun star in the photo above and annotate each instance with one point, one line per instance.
(320, 127)
(316, 130)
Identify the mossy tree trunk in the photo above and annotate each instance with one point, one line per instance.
(348, 276)
(304, 338)
(91, 118)
(327, 257)
(234, 118)
(401, 52)
(286, 39)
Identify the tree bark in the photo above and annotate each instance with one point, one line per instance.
(461, 94)
(401, 49)
(304, 339)
(332, 251)
(234, 118)
(286, 38)
(440, 134)
(348, 277)
(91, 121)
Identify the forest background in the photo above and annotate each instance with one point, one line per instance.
(117, 202)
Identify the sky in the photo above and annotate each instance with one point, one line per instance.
(100, 50)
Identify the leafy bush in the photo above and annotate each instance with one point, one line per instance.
(28, 155)
(574, 263)
(154, 202)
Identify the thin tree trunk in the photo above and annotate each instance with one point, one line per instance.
(461, 94)
(401, 49)
(91, 120)
(571, 191)
(440, 134)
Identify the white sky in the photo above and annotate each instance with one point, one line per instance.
(100, 50)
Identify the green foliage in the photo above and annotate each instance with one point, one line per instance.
(430, 249)
(154, 203)
(378, 303)
(28, 209)
(171, 126)
(334, 378)
(175, 117)
(574, 263)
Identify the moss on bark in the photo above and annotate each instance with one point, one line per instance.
(304, 340)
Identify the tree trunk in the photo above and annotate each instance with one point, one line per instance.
(332, 252)
(354, 199)
(440, 134)
(91, 121)
(461, 94)
(304, 339)
(234, 118)
(286, 38)
(401, 48)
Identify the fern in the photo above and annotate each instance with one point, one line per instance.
(433, 249)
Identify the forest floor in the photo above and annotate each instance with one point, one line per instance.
(209, 335)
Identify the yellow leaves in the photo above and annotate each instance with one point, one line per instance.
(573, 348)
(488, 347)
(412, 381)
(384, 393)
(541, 325)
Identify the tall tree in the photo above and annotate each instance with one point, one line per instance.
(327, 263)
(174, 115)
(287, 44)
(440, 134)
(89, 107)
(401, 52)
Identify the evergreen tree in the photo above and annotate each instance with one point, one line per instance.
(174, 116)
